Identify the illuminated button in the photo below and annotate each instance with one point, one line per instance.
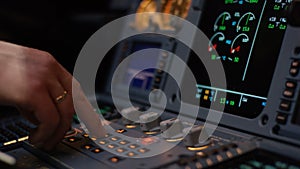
(85, 135)
(97, 150)
(219, 158)
(121, 131)
(121, 150)
(280, 164)
(107, 135)
(198, 165)
(256, 164)
(111, 146)
(87, 147)
(148, 140)
(295, 63)
(131, 154)
(291, 84)
(209, 162)
(114, 159)
(281, 118)
(246, 166)
(202, 154)
(288, 93)
(133, 146)
(143, 150)
(115, 138)
(162, 64)
(102, 142)
(285, 105)
(239, 151)
(123, 142)
(229, 154)
(130, 126)
(164, 55)
(294, 71)
(72, 139)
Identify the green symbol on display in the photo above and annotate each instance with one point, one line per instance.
(231, 103)
(228, 1)
(213, 57)
(271, 26)
(223, 100)
(236, 59)
(222, 28)
(276, 7)
(253, 1)
(246, 28)
(283, 27)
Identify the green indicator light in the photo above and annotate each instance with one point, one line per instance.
(231, 103)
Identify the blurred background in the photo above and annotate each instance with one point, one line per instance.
(60, 28)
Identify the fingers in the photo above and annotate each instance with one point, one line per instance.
(65, 110)
(47, 115)
(84, 109)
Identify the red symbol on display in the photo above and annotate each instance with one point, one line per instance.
(237, 49)
(214, 47)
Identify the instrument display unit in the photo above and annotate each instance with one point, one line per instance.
(247, 36)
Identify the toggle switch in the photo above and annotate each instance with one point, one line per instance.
(130, 115)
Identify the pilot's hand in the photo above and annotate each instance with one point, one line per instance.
(35, 83)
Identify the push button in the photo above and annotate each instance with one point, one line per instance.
(294, 70)
(296, 64)
(281, 118)
(291, 84)
(285, 105)
(289, 93)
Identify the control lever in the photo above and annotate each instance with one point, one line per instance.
(149, 121)
(130, 115)
(171, 128)
(192, 138)
(294, 13)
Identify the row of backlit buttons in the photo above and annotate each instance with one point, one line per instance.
(289, 92)
(126, 146)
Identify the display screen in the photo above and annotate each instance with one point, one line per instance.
(144, 79)
(247, 34)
